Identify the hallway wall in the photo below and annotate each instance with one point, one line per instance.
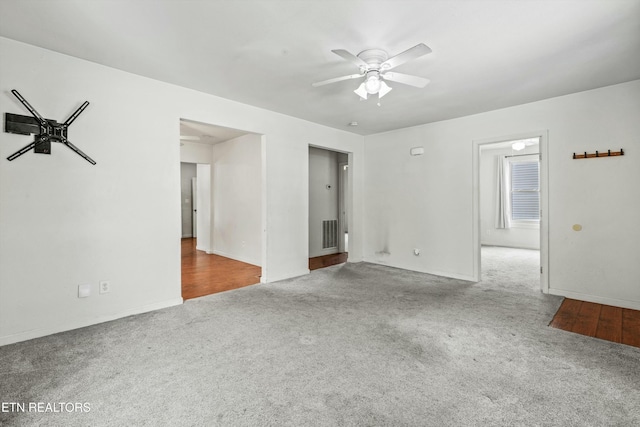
(237, 199)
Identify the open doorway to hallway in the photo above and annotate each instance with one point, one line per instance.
(509, 207)
(329, 198)
(225, 252)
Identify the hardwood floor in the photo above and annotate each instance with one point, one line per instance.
(327, 260)
(204, 274)
(621, 325)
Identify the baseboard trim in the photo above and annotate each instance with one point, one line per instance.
(466, 278)
(510, 246)
(71, 325)
(272, 279)
(237, 258)
(634, 305)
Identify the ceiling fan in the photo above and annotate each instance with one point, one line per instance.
(375, 66)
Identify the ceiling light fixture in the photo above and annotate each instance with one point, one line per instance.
(384, 89)
(373, 84)
(361, 91)
(374, 65)
(518, 145)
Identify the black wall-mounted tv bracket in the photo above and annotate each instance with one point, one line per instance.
(45, 130)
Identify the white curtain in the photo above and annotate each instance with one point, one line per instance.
(503, 219)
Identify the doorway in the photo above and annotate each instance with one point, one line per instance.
(329, 199)
(510, 207)
(188, 199)
(225, 250)
(195, 195)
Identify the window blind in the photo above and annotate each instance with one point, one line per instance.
(525, 190)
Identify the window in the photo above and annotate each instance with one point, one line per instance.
(525, 189)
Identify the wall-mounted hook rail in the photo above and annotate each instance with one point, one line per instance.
(608, 153)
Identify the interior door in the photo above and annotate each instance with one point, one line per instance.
(194, 210)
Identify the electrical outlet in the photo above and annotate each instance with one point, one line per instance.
(84, 291)
(105, 286)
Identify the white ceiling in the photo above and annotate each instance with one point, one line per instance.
(486, 54)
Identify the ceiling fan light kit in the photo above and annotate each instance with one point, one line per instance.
(374, 66)
(372, 82)
(361, 91)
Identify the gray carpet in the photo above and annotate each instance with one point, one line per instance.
(349, 345)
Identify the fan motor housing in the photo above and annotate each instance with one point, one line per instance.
(373, 57)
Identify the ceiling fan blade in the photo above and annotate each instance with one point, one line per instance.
(405, 79)
(337, 79)
(350, 57)
(409, 54)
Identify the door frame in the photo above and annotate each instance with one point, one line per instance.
(543, 136)
(349, 208)
(194, 207)
(204, 203)
(342, 205)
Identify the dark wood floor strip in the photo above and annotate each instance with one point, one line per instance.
(621, 325)
(327, 260)
(609, 324)
(587, 319)
(566, 315)
(631, 327)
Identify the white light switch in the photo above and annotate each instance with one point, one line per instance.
(84, 291)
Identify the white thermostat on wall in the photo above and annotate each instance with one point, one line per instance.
(417, 151)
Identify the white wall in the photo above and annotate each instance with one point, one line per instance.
(195, 152)
(64, 222)
(187, 173)
(426, 201)
(516, 236)
(203, 207)
(323, 201)
(237, 199)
